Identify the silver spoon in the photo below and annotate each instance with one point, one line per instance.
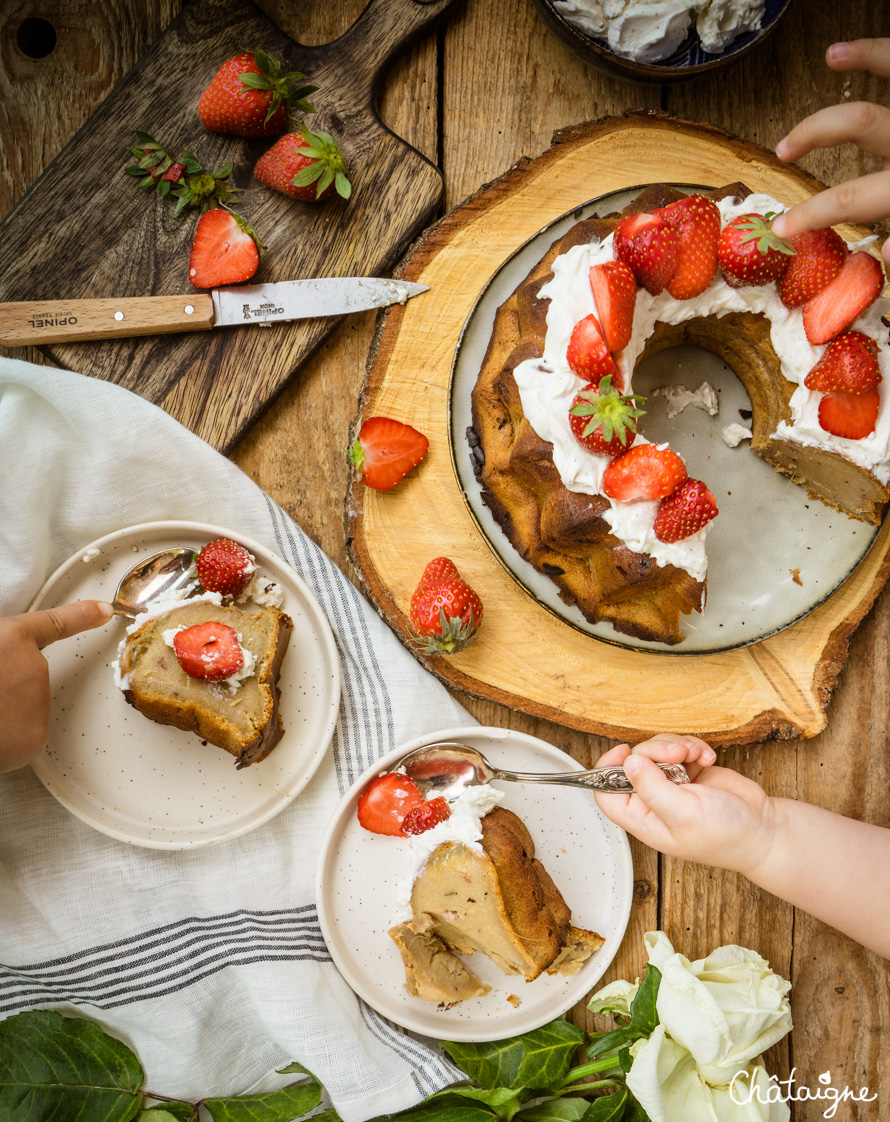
(448, 769)
(157, 577)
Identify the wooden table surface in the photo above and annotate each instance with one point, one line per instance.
(488, 88)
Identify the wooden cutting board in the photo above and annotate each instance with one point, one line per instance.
(85, 230)
(525, 657)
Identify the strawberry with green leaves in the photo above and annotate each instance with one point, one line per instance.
(750, 253)
(833, 308)
(445, 611)
(819, 256)
(225, 250)
(849, 365)
(696, 222)
(588, 355)
(604, 421)
(249, 96)
(685, 511)
(643, 473)
(650, 248)
(385, 451)
(305, 165)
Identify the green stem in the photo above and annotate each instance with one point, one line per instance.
(602, 1064)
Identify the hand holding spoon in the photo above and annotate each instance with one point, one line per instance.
(448, 769)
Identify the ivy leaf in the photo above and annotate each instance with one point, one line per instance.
(634, 1112)
(503, 1101)
(65, 1068)
(612, 1041)
(271, 1106)
(538, 1060)
(643, 1015)
(163, 1112)
(568, 1109)
(456, 1112)
(608, 1108)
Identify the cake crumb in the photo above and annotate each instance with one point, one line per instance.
(90, 555)
(795, 576)
(513, 1000)
(734, 434)
(678, 397)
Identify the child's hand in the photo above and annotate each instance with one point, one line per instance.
(866, 199)
(721, 818)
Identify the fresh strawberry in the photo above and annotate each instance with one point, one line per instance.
(819, 257)
(615, 295)
(696, 222)
(650, 247)
(385, 802)
(225, 567)
(225, 250)
(643, 472)
(209, 651)
(422, 818)
(750, 253)
(305, 165)
(852, 415)
(856, 286)
(685, 512)
(849, 365)
(249, 96)
(604, 421)
(587, 353)
(385, 451)
(445, 611)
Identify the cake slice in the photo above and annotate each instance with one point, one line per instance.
(500, 902)
(239, 716)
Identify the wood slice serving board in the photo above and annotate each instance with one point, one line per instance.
(527, 658)
(84, 230)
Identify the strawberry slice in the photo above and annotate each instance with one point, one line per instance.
(856, 286)
(225, 567)
(849, 365)
(604, 421)
(385, 451)
(819, 257)
(422, 818)
(385, 802)
(650, 247)
(615, 295)
(849, 415)
(685, 512)
(587, 353)
(209, 651)
(696, 222)
(644, 472)
(225, 250)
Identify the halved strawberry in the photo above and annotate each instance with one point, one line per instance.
(650, 247)
(615, 296)
(696, 221)
(385, 802)
(849, 365)
(587, 353)
(422, 818)
(209, 651)
(385, 451)
(856, 286)
(819, 257)
(685, 512)
(750, 253)
(644, 472)
(225, 567)
(851, 415)
(604, 421)
(225, 250)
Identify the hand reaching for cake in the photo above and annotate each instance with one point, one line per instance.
(866, 199)
(834, 867)
(25, 694)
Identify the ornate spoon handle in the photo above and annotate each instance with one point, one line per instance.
(598, 779)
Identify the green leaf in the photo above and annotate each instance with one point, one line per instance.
(65, 1068)
(325, 180)
(634, 1112)
(503, 1101)
(539, 1059)
(569, 1109)
(293, 1068)
(344, 187)
(447, 1113)
(272, 1106)
(307, 175)
(609, 1108)
(169, 1112)
(164, 186)
(643, 1015)
(612, 1041)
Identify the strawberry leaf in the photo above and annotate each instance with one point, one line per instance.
(325, 180)
(307, 175)
(343, 186)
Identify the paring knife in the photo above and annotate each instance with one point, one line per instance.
(32, 323)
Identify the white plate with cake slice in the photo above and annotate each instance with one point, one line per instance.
(151, 784)
(361, 876)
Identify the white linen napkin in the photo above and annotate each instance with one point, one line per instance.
(209, 963)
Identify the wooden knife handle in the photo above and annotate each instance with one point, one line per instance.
(34, 322)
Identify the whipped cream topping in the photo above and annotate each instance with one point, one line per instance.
(651, 30)
(263, 591)
(734, 434)
(678, 397)
(547, 385)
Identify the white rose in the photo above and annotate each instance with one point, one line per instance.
(614, 998)
(725, 1009)
(666, 1081)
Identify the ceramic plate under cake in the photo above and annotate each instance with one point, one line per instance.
(774, 553)
(154, 785)
(360, 874)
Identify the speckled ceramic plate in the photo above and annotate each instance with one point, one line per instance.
(151, 784)
(774, 554)
(359, 875)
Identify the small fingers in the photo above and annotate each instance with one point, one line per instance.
(866, 199)
(615, 756)
(51, 624)
(872, 55)
(668, 800)
(857, 122)
(670, 748)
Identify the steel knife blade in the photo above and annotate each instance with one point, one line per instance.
(35, 322)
